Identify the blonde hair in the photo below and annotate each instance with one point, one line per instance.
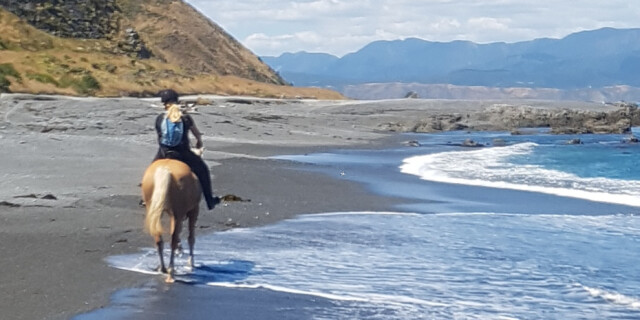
(173, 112)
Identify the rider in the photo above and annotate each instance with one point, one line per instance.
(182, 151)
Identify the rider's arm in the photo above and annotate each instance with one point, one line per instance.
(196, 133)
(158, 125)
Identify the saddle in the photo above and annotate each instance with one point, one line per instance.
(172, 154)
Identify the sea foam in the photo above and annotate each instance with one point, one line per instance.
(614, 297)
(490, 167)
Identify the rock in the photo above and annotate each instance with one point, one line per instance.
(446, 122)
(200, 101)
(471, 143)
(393, 127)
(133, 46)
(110, 68)
(574, 141)
(412, 143)
(9, 204)
(232, 198)
(411, 95)
(49, 197)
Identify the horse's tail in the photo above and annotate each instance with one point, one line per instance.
(159, 200)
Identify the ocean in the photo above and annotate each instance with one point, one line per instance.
(525, 227)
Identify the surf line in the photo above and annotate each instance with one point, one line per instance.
(614, 297)
(378, 299)
(621, 199)
(287, 290)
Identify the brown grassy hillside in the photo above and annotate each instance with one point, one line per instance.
(197, 45)
(188, 53)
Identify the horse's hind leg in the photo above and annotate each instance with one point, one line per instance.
(176, 227)
(193, 216)
(180, 250)
(160, 247)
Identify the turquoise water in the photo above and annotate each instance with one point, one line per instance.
(609, 159)
(601, 168)
(534, 229)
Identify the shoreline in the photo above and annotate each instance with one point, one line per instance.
(89, 154)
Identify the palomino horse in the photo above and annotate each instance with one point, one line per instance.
(169, 186)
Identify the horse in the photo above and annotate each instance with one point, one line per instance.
(169, 186)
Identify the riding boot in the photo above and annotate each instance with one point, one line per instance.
(211, 201)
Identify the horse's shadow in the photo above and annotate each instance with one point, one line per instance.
(227, 271)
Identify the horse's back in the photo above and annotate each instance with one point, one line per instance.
(184, 181)
(178, 168)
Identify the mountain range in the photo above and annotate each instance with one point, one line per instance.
(597, 59)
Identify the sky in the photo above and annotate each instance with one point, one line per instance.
(338, 27)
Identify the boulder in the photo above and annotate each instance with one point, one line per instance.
(413, 143)
(411, 95)
(133, 46)
(471, 143)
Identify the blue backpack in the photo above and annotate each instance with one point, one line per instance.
(171, 132)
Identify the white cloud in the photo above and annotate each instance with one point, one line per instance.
(343, 26)
(277, 42)
(486, 23)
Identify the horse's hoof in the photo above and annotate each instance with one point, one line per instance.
(169, 280)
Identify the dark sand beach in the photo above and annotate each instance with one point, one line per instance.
(69, 191)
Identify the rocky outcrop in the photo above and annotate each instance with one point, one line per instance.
(506, 117)
(133, 46)
(447, 122)
(567, 121)
(618, 121)
(88, 19)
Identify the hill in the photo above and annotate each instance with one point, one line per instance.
(590, 59)
(127, 48)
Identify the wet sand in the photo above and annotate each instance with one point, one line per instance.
(71, 167)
